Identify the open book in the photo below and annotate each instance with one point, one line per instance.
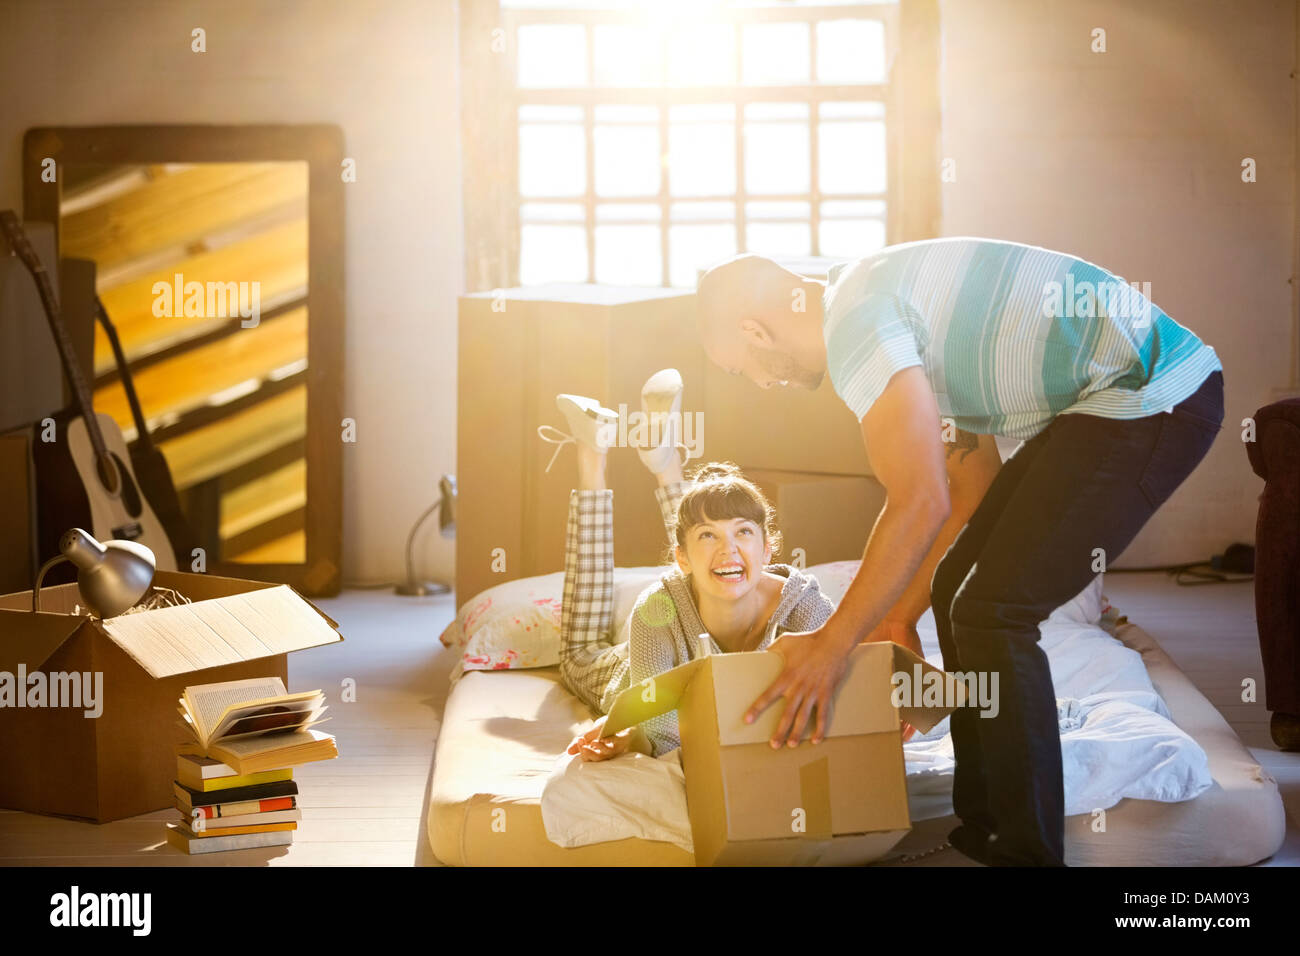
(255, 725)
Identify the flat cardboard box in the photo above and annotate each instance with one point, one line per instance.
(826, 517)
(842, 801)
(122, 763)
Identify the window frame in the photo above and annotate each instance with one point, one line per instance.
(736, 94)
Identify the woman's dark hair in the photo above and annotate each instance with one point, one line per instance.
(721, 492)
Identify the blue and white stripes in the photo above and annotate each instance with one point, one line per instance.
(1009, 335)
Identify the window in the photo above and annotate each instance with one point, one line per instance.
(659, 137)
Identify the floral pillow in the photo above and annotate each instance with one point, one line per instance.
(516, 625)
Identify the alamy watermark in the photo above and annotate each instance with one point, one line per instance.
(208, 300)
(637, 429)
(56, 689)
(1106, 297)
(933, 688)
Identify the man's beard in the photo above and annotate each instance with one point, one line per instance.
(783, 367)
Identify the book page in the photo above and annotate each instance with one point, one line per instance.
(208, 702)
(262, 744)
(262, 708)
(267, 724)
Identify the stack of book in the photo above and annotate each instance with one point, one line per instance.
(234, 774)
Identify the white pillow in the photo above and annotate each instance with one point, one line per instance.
(516, 624)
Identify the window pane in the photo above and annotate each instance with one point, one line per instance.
(779, 238)
(851, 51)
(627, 212)
(778, 210)
(552, 55)
(551, 212)
(552, 160)
(852, 109)
(851, 238)
(538, 113)
(692, 248)
(703, 54)
(628, 55)
(701, 151)
(552, 254)
(627, 160)
(626, 113)
(776, 53)
(776, 111)
(776, 155)
(853, 209)
(684, 211)
(628, 255)
(851, 157)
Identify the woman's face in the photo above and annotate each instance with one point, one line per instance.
(724, 558)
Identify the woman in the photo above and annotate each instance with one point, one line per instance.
(723, 591)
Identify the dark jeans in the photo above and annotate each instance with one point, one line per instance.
(1083, 483)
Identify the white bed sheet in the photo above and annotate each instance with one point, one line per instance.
(1117, 742)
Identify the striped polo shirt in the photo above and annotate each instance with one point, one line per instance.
(1009, 335)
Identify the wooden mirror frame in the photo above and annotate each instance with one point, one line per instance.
(321, 147)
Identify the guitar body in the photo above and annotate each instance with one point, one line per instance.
(70, 492)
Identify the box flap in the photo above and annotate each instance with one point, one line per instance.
(920, 715)
(224, 630)
(30, 639)
(862, 702)
(652, 696)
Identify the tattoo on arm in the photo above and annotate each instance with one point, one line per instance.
(962, 441)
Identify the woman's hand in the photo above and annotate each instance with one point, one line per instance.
(591, 747)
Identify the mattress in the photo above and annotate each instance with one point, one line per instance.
(503, 731)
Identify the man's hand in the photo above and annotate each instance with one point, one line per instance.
(901, 433)
(814, 664)
(900, 632)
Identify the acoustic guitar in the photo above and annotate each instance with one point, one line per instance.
(84, 478)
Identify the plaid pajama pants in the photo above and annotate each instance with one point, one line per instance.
(594, 666)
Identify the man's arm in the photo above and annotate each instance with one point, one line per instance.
(902, 434)
(972, 462)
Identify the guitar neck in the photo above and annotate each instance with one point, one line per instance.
(22, 247)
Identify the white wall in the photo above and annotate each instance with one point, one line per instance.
(1132, 159)
(386, 74)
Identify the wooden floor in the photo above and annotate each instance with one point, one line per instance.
(365, 808)
(362, 809)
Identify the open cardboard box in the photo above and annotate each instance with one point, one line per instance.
(843, 801)
(122, 763)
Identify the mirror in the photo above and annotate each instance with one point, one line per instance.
(202, 269)
(216, 274)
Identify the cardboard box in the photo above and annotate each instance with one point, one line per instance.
(122, 763)
(843, 801)
(828, 517)
(517, 350)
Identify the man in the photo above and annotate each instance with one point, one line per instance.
(964, 339)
